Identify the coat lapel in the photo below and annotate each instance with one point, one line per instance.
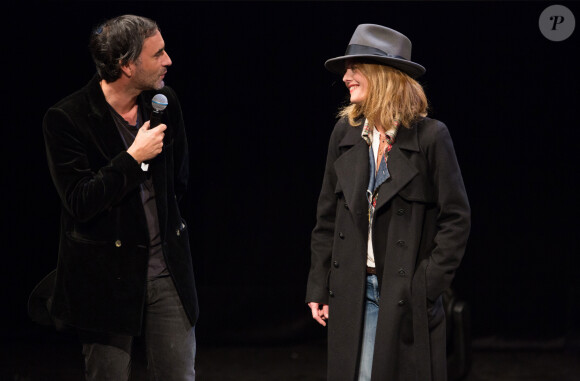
(400, 167)
(352, 172)
(110, 143)
(102, 125)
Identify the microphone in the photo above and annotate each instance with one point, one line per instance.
(159, 103)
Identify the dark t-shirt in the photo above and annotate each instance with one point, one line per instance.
(157, 266)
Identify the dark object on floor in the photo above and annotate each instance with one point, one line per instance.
(40, 299)
(458, 336)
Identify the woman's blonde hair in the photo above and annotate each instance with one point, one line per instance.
(391, 96)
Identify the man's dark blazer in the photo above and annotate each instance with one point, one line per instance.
(103, 249)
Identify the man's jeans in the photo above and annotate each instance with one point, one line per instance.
(370, 328)
(169, 341)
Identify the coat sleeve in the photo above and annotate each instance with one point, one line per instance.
(181, 151)
(323, 233)
(84, 192)
(453, 218)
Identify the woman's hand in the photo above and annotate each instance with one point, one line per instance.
(319, 312)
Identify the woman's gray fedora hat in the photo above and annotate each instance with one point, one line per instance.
(380, 44)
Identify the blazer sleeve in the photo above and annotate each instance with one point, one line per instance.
(181, 151)
(453, 218)
(323, 232)
(84, 192)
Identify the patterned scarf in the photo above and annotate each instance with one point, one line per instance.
(379, 172)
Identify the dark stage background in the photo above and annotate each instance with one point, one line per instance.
(251, 75)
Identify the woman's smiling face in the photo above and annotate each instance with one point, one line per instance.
(356, 82)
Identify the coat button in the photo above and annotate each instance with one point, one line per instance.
(341, 235)
(118, 243)
(335, 264)
(402, 302)
(400, 212)
(400, 243)
(178, 232)
(401, 272)
(331, 293)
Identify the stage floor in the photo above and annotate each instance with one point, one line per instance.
(57, 357)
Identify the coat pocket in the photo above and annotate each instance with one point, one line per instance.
(80, 238)
(435, 313)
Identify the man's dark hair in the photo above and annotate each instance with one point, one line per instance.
(117, 42)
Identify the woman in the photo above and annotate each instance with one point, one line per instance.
(392, 220)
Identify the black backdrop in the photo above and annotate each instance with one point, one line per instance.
(260, 107)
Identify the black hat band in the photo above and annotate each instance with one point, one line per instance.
(355, 49)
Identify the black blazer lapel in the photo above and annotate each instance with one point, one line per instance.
(109, 142)
(102, 126)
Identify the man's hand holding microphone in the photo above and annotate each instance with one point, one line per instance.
(149, 140)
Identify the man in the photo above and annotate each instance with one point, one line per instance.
(124, 266)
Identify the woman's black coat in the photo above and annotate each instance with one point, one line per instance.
(420, 231)
(103, 252)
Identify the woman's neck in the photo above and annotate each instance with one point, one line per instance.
(381, 129)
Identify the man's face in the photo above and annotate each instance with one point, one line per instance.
(151, 66)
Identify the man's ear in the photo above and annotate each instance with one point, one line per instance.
(127, 69)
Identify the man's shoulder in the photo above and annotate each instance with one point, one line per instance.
(78, 101)
(71, 101)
